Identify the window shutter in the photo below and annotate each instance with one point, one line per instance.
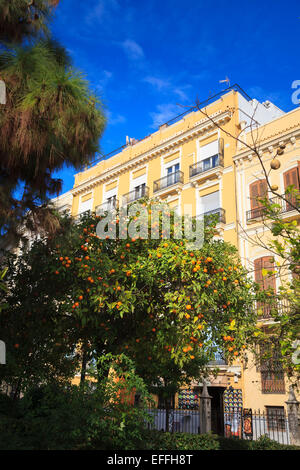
(258, 272)
(266, 282)
(269, 281)
(258, 189)
(291, 177)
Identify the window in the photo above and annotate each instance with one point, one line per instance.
(172, 174)
(86, 204)
(266, 282)
(275, 418)
(111, 203)
(272, 375)
(140, 191)
(210, 202)
(212, 155)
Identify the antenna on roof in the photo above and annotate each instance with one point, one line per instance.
(225, 81)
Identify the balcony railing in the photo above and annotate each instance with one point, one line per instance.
(218, 360)
(272, 381)
(169, 180)
(107, 206)
(135, 195)
(206, 165)
(218, 215)
(291, 201)
(269, 310)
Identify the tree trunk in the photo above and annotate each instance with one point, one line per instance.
(83, 367)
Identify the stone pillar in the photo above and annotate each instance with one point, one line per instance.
(293, 417)
(205, 410)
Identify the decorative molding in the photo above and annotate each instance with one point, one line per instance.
(200, 127)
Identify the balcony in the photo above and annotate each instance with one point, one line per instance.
(169, 183)
(218, 360)
(258, 213)
(107, 206)
(135, 195)
(207, 167)
(218, 215)
(266, 311)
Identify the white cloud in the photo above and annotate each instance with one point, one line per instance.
(115, 119)
(166, 85)
(132, 49)
(158, 83)
(102, 11)
(164, 113)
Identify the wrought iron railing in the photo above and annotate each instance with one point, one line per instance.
(135, 195)
(267, 310)
(272, 381)
(218, 215)
(218, 360)
(288, 204)
(107, 206)
(205, 165)
(236, 422)
(169, 180)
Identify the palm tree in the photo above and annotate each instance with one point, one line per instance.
(50, 119)
(21, 19)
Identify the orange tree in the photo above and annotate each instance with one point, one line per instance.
(166, 307)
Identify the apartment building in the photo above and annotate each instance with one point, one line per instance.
(189, 163)
(266, 387)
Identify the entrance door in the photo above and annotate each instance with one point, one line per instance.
(217, 410)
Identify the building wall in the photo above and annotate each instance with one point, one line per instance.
(184, 142)
(285, 129)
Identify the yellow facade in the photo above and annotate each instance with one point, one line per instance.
(253, 233)
(213, 173)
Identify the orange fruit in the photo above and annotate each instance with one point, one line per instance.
(188, 307)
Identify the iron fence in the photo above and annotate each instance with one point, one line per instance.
(248, 424)
(175, 420)
(239, 424)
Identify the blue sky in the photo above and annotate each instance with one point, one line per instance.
(146, 58)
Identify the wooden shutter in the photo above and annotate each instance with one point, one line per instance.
(258, 189)
(258, 272)
(265, 282)
(292, 177)
(269, 281)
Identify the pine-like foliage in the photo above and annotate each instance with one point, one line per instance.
(50, 119)
(24, 18)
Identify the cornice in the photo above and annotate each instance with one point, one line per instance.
(174, 141)
(270, 145)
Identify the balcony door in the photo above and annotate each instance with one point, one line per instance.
(139, 191)
(266, 282)
(111, 203)
(258, 190)
(172, 174)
